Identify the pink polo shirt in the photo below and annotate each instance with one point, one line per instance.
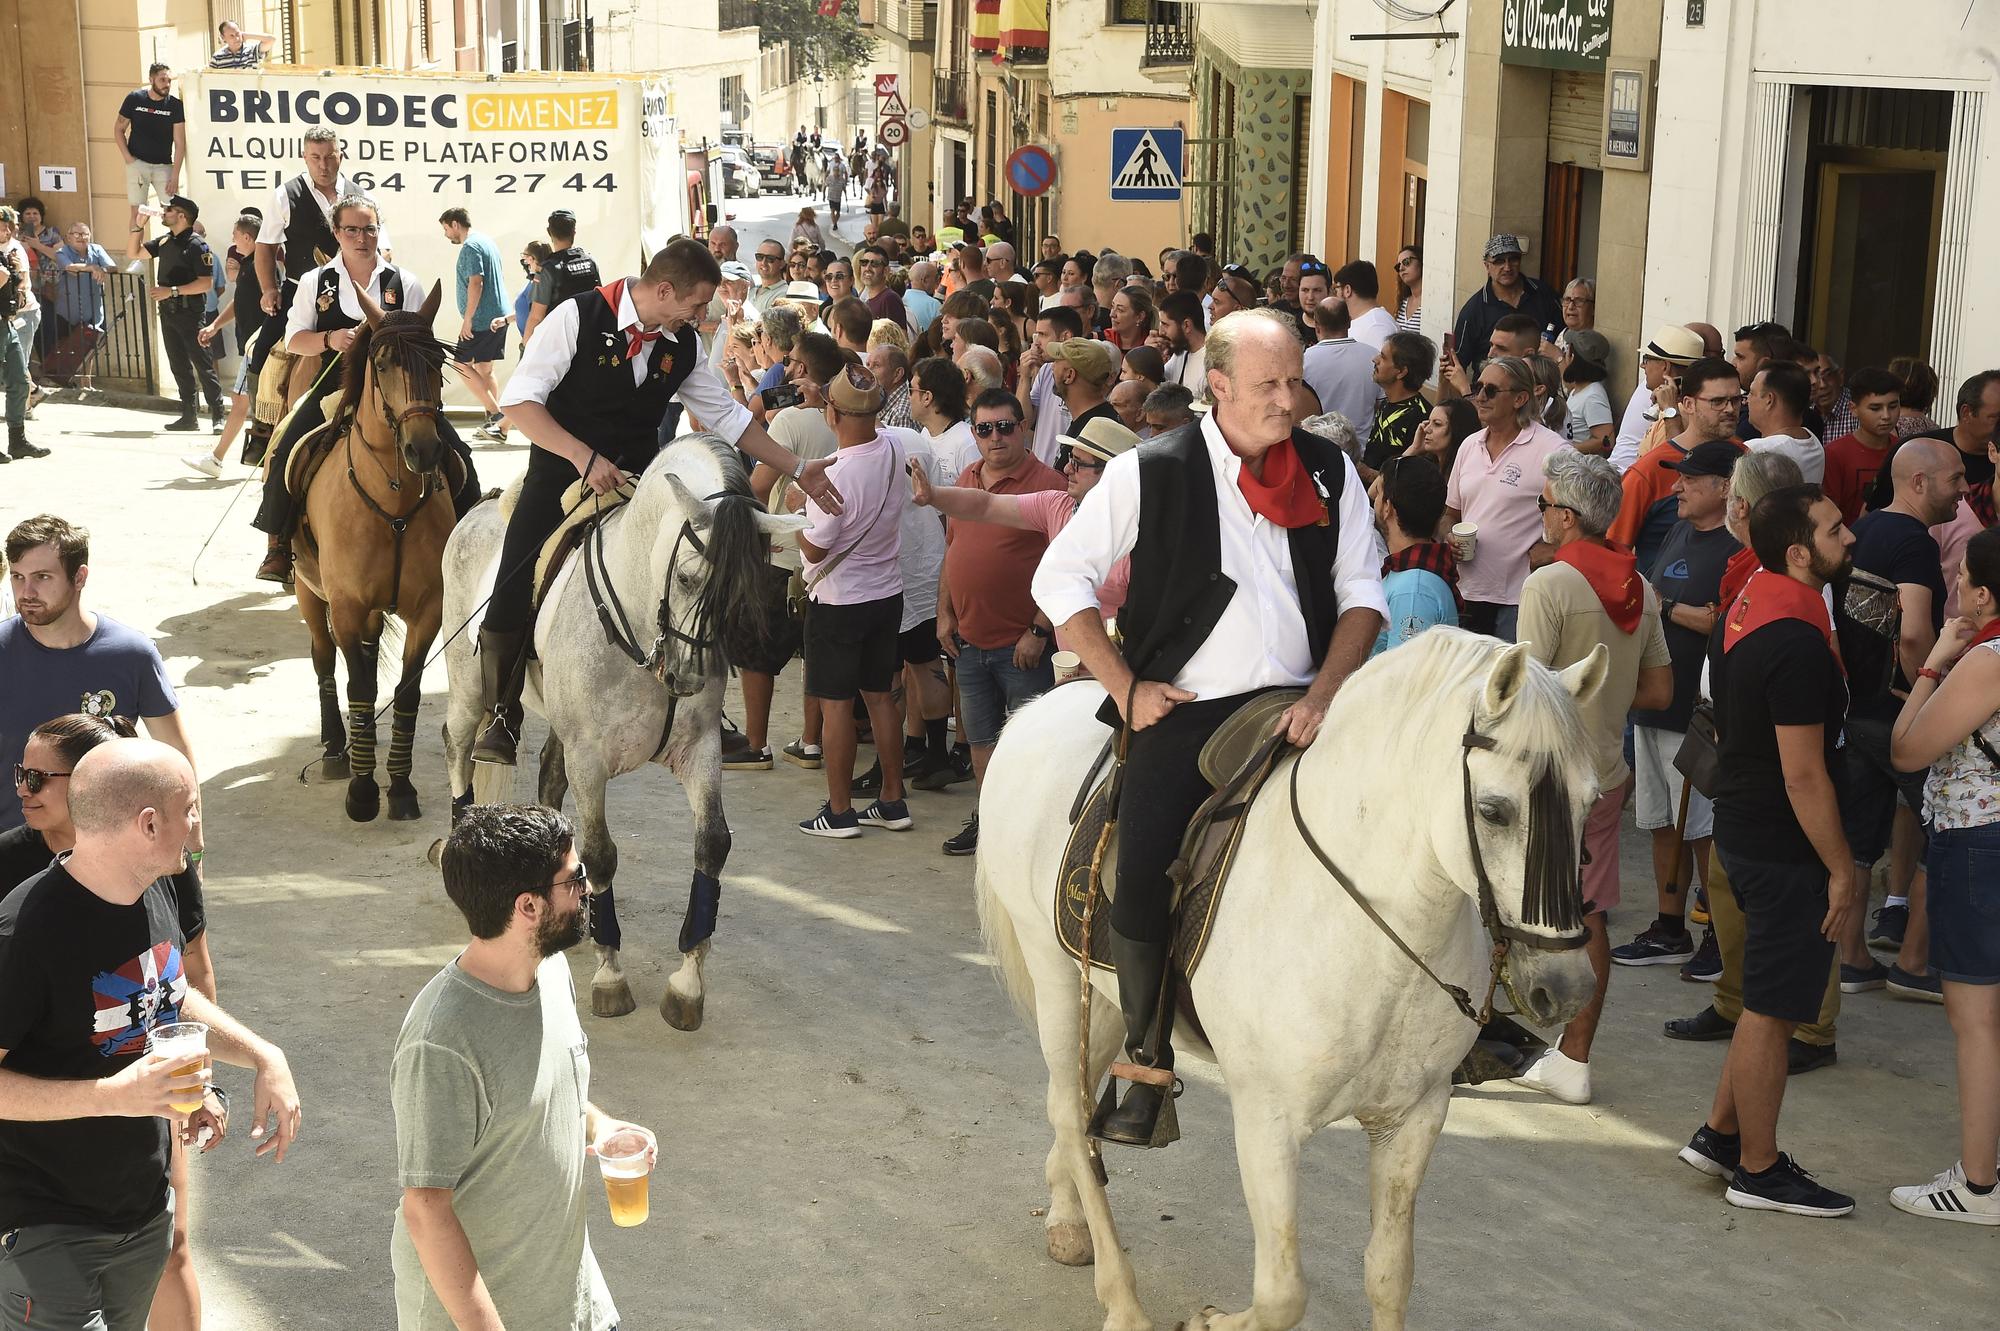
(1048, 512)
(1498, 495)
(870, 479)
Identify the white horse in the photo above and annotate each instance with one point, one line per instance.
(1450, 762)
(682, 575)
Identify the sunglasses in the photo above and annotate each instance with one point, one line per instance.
(770, 258)
(1542, 504)
(987, 429)
(33, 779)
(871, 263)
(1067, 457)
(1486, 392)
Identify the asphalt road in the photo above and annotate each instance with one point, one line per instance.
(856, 1137)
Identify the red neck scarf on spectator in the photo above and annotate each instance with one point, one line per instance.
(1285, 495)
(1433, 557)
(1987, 634)
(1613, 575)
(1770, 597)
(1736, 575)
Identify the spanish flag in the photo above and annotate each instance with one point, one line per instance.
(986, 26)
(1024, 23)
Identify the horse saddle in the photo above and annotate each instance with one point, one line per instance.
(308, 456)
(580, 515)
(1236, 761)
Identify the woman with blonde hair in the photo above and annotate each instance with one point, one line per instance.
(807, 229)
(888, 333)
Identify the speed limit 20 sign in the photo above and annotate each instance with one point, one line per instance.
(893, 133)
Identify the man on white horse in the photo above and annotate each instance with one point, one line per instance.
(589, 394)
(1255, 565)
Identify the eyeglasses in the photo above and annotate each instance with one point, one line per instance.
(770, 258)
(1726, 400)
(360, 230)
(1067, 457)
(1542, 503)
(986, 429)
(1578, 300)
(1486, 392)
(33, 779)
(581, 882)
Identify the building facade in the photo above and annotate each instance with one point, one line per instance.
(1253, 84)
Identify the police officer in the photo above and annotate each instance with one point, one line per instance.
(182, 283)
(588, 394)
(325, 313)
(568, 271)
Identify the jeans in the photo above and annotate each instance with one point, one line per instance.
(990, 686)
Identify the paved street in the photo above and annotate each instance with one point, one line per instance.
(856, 1138)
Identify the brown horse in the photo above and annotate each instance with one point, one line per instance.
(372, 538)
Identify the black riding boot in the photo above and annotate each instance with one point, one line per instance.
(503, 668)
(1142, 982)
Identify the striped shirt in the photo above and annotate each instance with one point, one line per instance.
(247, 56)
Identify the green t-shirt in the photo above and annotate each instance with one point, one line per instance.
(489, 1090)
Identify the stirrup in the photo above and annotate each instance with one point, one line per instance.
(1166, 1123)
(498, 744)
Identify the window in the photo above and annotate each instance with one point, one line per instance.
(732, 100)
(992, 143)
(1129, 11)
(424, 28)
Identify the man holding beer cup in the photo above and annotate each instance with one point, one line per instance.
(103, 1045)
(491, 1088)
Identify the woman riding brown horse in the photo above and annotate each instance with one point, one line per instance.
(377, 515)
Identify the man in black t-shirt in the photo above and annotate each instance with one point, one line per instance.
(91, 962)
(1687, 574)
(1894, 544)
(1779, 699)
(152, 138)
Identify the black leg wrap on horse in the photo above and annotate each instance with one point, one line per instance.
(459, 804)
(704, 902)
(604, 930)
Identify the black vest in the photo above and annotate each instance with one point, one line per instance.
(575, 273)
(309, 239)
(329, 317)
(596, 399)
(1179, 591)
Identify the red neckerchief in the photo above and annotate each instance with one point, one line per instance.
(1987, 634)
(636, 337)
(1736, 575)
(1613, 575)
(1285, 496)
(1770, 597)
(1432, 557)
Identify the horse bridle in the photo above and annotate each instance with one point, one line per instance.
(611, 611)
(399, 523)
(1503, 934)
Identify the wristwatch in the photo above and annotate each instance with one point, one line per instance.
(1038, 630)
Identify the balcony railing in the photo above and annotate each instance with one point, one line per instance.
(951, 96)
(1033, 56)
(1169, 35)
(733, 14)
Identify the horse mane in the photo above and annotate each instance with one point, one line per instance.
(417, 347)
(735, 597)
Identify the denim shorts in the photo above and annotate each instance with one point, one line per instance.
(991, 686)
(1963, 886)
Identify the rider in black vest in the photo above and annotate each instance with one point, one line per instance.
(588, 394)
(1211, 514)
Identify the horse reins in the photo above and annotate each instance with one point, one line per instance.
(1504, 935)
(399, 523)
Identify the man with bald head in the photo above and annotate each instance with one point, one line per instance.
(1000, 264)
(1128, 399)
(1894, 544)
(91, 963)
(1279, 520)
(920, 302)
(982, 369)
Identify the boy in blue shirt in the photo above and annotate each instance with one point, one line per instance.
(1420, 576)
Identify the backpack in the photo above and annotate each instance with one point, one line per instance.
(1868, 623)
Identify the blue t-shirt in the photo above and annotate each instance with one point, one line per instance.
(116, 672)
(1418, 599)
(478, 258)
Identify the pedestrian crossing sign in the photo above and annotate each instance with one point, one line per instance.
(1146, 164)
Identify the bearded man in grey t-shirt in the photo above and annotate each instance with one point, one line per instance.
(491, 1088)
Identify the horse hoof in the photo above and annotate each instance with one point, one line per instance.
(612, 1000)
(435, 855)
(334, 767)
(364, 799)
(1200, 1321)
(683, 1014)
(1070, 1244)
(403, 801)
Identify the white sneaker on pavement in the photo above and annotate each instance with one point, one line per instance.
(203, 462)
(1558, 1075)
(1946, 1197)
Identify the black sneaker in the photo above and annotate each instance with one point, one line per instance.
(1705, 966)
(870, 781)
(892, 814)
(1925, 988)
(748, 760)
(1655, 947)
(1860, 979)
(1708, 1024)
(185, 421)
(967, 840)
(1890, 924)
(826, 823)
(1801, 1057)
(1788, 1188)
(949, 773)
(1715, 1154)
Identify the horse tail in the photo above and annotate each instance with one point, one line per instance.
(1003, 943)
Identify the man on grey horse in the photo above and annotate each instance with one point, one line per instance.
(1255, 565)
(588, 394)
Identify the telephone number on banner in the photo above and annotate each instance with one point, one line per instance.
(435, 182)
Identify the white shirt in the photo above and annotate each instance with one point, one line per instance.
(1260, 641)
(1051, 414)
(1189, 369)
(546, 360)
(1373, 328)
(922, 553)
(303, 317)
(956, 446)
(1632, 427)
(1807, 452)
(278, 215)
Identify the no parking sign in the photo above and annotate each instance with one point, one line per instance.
(1031, 170)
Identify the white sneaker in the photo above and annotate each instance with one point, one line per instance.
(1557, 1074)
(1947, 1198)
(205, 463)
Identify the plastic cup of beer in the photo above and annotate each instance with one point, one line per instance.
(621, 1158)
(1465, 541)
(187, 1040)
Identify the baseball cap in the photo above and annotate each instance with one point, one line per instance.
(735, 270)
(563, 214)
(1587, 344)
(854, 392)
(1087, 357)
(1101, 438)
(1717, 457)
(1505, 243)
(1672, 342)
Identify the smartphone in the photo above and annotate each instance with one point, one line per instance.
(1451, 345)
(782, 396)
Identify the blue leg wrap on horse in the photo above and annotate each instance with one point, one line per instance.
(704, 900)
(604, 930)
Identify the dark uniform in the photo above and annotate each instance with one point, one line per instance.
(565, 274)
(184, 259)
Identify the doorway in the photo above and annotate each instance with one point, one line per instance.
(1872, 288)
